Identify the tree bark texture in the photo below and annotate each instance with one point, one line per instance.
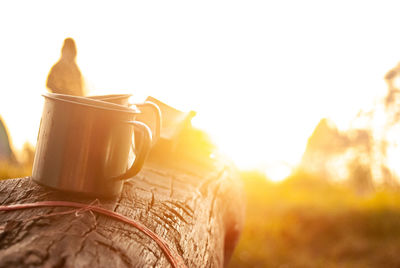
(198, 211)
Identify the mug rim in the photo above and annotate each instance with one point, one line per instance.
(110, 96)
(104, 105)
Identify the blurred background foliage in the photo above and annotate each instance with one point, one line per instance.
(308, 221)
(20, 166)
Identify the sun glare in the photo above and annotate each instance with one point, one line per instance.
(259, 90)
(278, 171)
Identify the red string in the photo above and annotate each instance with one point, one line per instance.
(174, 258)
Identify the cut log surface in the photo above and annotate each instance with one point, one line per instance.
(198, 212)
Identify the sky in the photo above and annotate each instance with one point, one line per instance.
(259, 74)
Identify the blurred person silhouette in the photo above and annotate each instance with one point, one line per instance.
(65, 76)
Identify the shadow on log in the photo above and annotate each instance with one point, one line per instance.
(199, 212)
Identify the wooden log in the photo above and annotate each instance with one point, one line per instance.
(198, 211)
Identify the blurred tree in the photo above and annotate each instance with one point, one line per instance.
(392, 99)
(27, 155)
(360, 177)
(6, 152)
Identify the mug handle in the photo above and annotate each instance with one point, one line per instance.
(141, 153)
(157, 113)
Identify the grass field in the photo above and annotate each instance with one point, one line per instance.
(11, 170)
(307, 222)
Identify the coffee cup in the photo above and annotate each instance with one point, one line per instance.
(83, 145)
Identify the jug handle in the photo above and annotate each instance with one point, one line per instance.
(142, 152)
(157, 113)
